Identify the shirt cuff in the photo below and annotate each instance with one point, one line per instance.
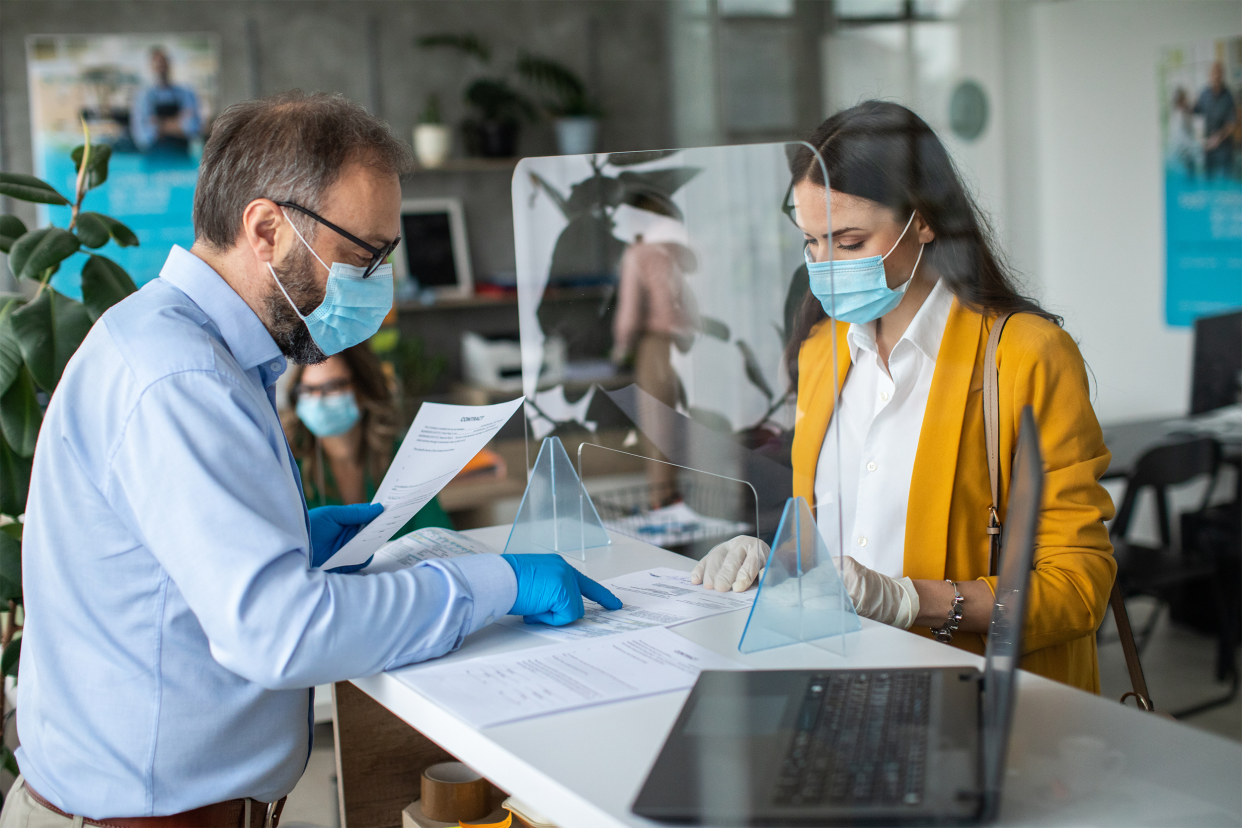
(492, 583)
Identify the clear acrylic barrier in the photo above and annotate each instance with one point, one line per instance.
(556, 514)
(657, 296)
(801, 595)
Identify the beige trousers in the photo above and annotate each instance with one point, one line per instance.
(21, 811)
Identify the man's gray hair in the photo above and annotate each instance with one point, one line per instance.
(287, 147)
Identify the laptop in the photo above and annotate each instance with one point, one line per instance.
(847, 747)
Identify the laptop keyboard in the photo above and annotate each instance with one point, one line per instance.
(861, 739)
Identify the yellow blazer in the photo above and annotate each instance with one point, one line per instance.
(1039, 365)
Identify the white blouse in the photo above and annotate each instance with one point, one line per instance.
(877, 421)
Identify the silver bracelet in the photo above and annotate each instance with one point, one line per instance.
(945, 634)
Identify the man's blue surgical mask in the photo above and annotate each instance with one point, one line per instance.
(328, 416)
(856, 290)
(353, 308)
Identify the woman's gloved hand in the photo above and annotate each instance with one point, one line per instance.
(331, 527)
(734, 564)
(892, 601)
(550, 591)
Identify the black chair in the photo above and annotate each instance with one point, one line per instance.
(1196, 564)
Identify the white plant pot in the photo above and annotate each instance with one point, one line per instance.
(576, 135)
(431, 144)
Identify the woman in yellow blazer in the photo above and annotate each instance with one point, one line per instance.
(910, 329)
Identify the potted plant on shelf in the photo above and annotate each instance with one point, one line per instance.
(576, 114)
(432, 138)
(497, 107)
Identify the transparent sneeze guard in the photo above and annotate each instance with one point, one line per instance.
(658, 295)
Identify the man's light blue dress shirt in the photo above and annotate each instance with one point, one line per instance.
(173, 624)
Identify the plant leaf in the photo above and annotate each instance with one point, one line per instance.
(11, 229)
(10, 568)
(627, 159)
(28, 188)
(13, 529)
(714, 328)
(91, 230)
(14, 480)
(8, 662)
(20, 414)
(49, 329)
(753, 372)
(41, 249)
(10, 351)
(113, 228)
(10, 761)
(466, 42)
(104, 283)
(97, 167)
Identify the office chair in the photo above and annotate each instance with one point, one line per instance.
(1162, 572)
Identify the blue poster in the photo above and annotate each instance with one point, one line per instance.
(151, 98)
(1200, 97)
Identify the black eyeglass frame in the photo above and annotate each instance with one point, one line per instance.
(378, 254)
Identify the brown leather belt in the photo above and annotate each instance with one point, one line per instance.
(229, 814)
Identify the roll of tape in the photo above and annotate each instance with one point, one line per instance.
(452, 792)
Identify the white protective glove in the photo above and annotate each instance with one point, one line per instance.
(892, 601)
(734, 564)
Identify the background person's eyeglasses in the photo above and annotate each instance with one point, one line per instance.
(323, 389)
(378, 254)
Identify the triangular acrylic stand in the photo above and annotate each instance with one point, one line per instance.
(556, 514)
(801, 595)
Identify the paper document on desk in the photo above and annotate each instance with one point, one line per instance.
(493, 690)
(424, 545)
(660, 597)
(442, 440)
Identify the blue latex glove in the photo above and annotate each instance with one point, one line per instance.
(550, 591)
(331, 527)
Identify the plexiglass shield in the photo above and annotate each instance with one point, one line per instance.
(664, 300)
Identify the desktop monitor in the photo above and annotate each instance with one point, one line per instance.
(1218, 362)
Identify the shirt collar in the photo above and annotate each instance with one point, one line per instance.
(243, 332)
(925, 330)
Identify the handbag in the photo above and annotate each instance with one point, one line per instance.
(991, 431)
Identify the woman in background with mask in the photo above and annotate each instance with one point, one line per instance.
(915, 286)
(342, 428)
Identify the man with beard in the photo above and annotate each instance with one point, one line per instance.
(176, 617)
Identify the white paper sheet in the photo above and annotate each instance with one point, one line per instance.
(440, 443)
(424, 545)
(493, 690)
(660, 597)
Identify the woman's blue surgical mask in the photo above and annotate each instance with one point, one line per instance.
(856, 290)
(328, 416)
(353, 308)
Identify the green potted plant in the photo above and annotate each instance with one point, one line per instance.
(432, 138)
(40, 329)
(497, 108)
(575, 113)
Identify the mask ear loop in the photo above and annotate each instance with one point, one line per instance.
(890, 250)
(272, 270)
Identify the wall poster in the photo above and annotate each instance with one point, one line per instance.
(1201, 89)
(152, 98)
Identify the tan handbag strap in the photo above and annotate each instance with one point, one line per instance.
(991, 433)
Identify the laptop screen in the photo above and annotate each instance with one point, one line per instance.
(1005, 634)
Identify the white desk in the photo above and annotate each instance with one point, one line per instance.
(583, 768)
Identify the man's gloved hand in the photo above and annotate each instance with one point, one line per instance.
(550, 591)
(892, 601)
(331, 527)
(734, 564)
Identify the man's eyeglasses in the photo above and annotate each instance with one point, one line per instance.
(378, 254)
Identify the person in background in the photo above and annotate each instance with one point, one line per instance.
(341, 426)
(915, 285)
(166, 115)
(1220, 116)
(1183, 149)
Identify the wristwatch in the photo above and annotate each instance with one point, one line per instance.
(945, 634)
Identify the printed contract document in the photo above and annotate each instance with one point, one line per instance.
(442, 440)
(493, 690)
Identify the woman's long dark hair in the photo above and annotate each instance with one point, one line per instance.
(885, 153)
